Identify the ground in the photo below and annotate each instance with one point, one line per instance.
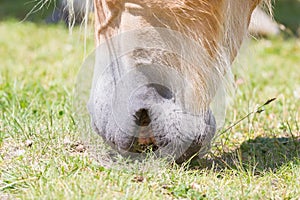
(41, 156)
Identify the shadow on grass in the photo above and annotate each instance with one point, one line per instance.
(287, 12)
(258, 155)
(27, 10)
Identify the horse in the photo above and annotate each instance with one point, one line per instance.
(164, 63)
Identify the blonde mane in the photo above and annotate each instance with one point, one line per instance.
(185, 16)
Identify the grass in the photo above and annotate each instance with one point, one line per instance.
(40, 152)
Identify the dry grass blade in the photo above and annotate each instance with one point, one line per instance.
(258, 110)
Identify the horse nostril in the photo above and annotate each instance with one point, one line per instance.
(142, 117)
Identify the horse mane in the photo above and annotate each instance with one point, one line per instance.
(179, 4)
(182, 11)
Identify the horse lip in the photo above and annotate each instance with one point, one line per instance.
(145, 140)
(145, 136)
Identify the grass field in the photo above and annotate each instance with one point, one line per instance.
(41, 156)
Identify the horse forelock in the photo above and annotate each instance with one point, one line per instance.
(203, 20)
(218, 25)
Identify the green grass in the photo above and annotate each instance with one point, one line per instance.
(39, 154)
